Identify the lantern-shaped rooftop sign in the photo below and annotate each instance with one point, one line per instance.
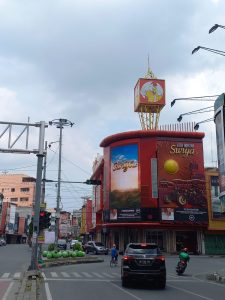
(149, 99)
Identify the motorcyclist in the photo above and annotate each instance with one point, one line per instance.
(114, 253)
(183, 255)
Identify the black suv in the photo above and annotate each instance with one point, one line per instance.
(143, 261)
(96, 248)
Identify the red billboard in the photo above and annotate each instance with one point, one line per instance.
(182, 190)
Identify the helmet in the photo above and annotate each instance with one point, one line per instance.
(185, 249)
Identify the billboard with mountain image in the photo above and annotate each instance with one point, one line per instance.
(124, 190)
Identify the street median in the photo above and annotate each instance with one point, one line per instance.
(53, 262)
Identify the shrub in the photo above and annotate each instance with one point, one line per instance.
(77, 246)
(51, 247)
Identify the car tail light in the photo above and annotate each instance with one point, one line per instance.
(162, 258)
(127, 258)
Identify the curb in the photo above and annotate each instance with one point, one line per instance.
(29, 286)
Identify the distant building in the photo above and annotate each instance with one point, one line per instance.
(14, 222)
(86, 219)
(18, 189)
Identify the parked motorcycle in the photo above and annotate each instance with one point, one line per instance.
(181, 266)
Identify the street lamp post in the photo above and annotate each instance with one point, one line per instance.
(200, 98)
(215, 27)
(208, 49)
(196, 127)
(197, 111)
(59, 123)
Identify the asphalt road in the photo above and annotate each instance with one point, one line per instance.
(98, 281)
(14, 261)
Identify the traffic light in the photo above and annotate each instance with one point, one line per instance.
(93, 182)
(44, 220)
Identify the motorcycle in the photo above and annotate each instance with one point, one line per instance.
(181, 266)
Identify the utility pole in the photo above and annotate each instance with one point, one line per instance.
(59, 123)
(40, 155)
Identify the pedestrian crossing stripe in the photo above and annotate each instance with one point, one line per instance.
(16, 275)
(80, 275)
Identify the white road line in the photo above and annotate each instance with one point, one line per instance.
(43, 275)
(48, 293)
(171, 275)
(5, 275)
(76, 274)
(17, 275)
(8, 291)
(97, 275)
(87, 274)
(107, 275)
(54, 274)
(116, 274)
(64, 274)
(189, 292)
(126, 292)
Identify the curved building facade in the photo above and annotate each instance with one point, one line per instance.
(153, 190)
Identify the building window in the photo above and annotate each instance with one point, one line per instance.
(13, 199)
(24, 190)
(12, 190)
(2, 190)
(24, 199)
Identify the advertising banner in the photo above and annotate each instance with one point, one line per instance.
(181, 180)
(191, 215)
(217, 203)
(124, 188)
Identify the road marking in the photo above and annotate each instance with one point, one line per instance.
(97, 275)
(81, 279)
(87, 274)
(48, 293)
(171, 275)
(8, 291)
(43, 275)
(116, 274)
(76, 274)
(54, 274)
(125, 291)
(64, 274)
(17, 275)
(5, 275)
(189, 292)
(107, 275)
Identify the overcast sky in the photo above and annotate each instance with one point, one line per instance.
(80, 60)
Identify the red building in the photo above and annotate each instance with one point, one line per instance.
(153, 189)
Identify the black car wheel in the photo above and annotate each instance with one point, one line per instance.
(161, 282)
(125, 282)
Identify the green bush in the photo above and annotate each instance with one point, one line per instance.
(77, 246)
(44, 254)
(51, 247)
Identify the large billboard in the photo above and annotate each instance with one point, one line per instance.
(217, 203)
(124, 184)
(182, 190)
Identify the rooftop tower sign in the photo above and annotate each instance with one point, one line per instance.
(149, 99)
